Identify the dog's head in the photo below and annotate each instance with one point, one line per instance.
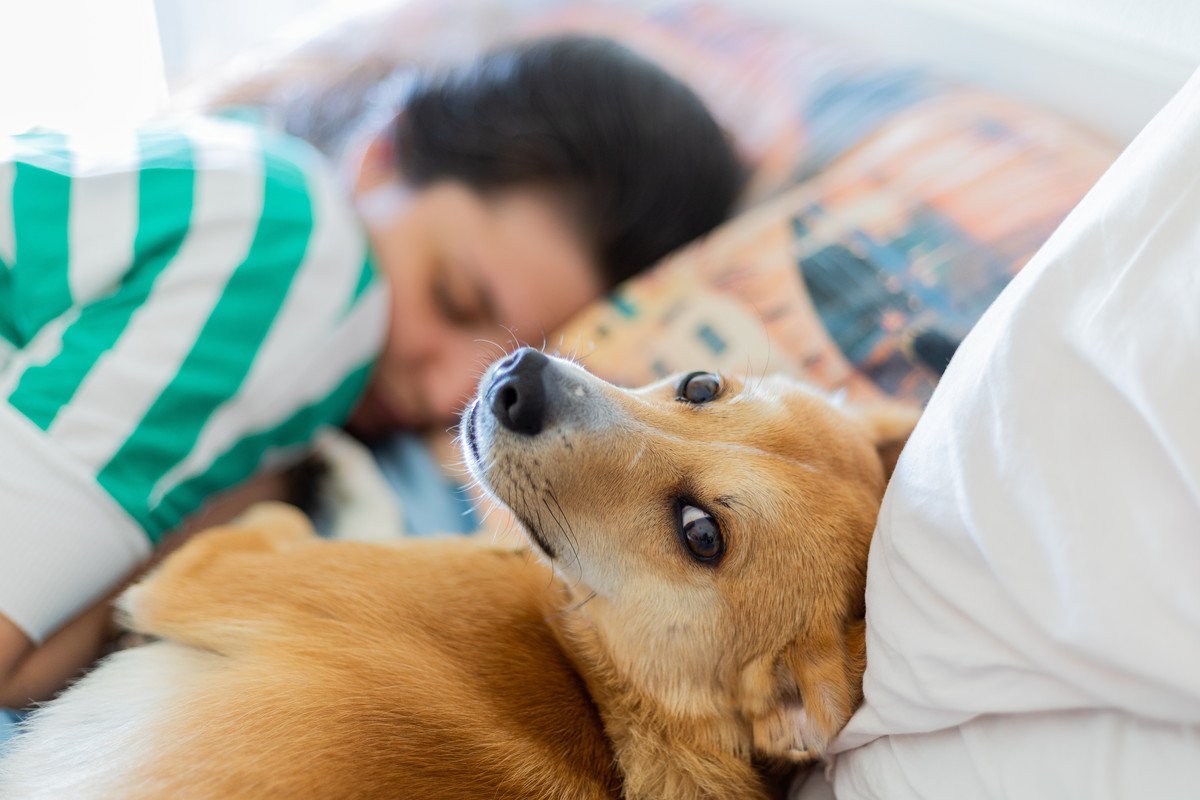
(715, 531)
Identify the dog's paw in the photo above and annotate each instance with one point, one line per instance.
(133, 616)
(361, 504)
(125, 608)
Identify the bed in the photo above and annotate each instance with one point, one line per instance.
(894, 197)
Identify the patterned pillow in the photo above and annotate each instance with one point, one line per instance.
(865, 276)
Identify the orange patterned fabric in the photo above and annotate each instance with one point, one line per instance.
(903, 205)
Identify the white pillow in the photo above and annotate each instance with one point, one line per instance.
(1033, 594)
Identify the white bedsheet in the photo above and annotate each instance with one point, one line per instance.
(1033, 593)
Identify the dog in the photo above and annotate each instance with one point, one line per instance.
(687, 622)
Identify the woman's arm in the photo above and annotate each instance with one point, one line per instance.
(14, 646)
(30, 674)
(203, 362)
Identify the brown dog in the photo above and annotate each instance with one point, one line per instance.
(700, 623)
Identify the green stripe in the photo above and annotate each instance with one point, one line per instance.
(8, 330)
(217, 364)
(41, 200)
(366, 279)
(242, 460)
(166, 188)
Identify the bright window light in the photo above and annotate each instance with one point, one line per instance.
(78, 64)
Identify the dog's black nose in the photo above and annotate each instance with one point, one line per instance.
(519, 394)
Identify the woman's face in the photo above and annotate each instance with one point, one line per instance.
(468, 275)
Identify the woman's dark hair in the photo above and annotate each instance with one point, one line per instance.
(637, 156)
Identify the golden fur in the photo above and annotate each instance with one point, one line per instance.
(423, 670)
(452, 669)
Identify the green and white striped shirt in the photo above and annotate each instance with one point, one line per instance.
(177, 307)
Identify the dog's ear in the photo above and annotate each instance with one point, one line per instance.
(889, 424)
(817, 685)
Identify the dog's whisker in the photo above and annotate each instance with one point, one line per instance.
(539, 526)
(562, 528)
(512, 335)
(570, 530)
(499, 347)
(491, 509)
(591, 596)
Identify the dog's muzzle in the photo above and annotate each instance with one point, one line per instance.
(523, 427)
(528, 401)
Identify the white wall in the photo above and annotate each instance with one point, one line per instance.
(1169, 27)
(198, 35)
(201, 35)
(1111, 64)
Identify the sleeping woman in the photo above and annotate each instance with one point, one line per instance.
(186, 305)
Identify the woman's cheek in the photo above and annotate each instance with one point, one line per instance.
(451, 385)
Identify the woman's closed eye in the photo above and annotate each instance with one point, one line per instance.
(465, 304)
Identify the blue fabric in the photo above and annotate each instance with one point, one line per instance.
(850, 104)
(432, 503)
(8, 726)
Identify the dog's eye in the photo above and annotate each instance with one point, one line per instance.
(701, 533)
(698, 387)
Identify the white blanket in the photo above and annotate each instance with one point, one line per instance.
(1033, 592)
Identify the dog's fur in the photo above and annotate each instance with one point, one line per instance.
(609, 664)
